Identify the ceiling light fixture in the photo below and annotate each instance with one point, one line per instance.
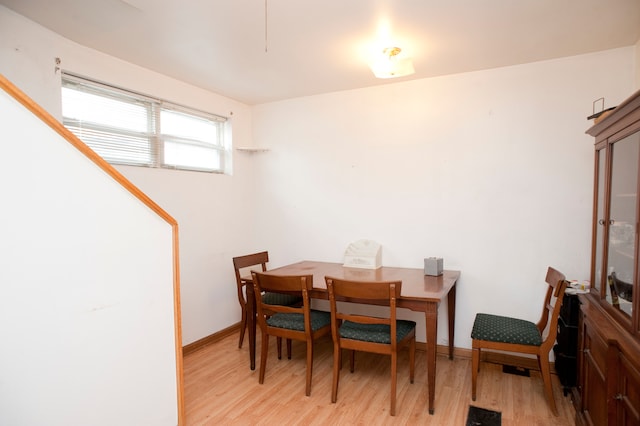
(390, 64)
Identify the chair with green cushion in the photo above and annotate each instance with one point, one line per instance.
(288, 322)
(258, 260)
(517, 335)
(366, 333)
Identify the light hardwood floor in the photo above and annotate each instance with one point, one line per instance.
(220, 389)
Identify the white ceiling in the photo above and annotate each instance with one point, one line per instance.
(323, 46)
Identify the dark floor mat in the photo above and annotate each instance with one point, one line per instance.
(483, 417)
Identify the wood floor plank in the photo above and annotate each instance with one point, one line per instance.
(220, 389)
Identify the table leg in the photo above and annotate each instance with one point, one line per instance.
(251, 324)
(431, 320)
(451, 312)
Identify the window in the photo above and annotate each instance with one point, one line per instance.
(125, 127)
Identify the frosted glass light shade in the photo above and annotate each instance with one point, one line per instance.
(390, 65)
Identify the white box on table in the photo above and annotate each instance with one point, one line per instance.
(433, 266)
(364, 254)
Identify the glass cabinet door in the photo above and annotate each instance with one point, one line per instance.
(621, 266)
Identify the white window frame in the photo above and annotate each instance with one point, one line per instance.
(149, 151)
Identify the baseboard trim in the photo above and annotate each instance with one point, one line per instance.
(490, 357)
(212, 338)
(514, 360)
(485, 356)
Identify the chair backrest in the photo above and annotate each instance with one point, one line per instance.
(550, 312)
(363, 291)
(619, 288)
(297, 285)
(242, 262)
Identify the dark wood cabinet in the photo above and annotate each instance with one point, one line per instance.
(608, 391)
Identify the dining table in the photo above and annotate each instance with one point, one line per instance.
(419, 292)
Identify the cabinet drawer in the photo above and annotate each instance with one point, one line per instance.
(593, 380)
(596, 348)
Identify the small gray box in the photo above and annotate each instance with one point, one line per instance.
(433, 266)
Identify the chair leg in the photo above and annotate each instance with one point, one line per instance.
(279, 345)
(337, 365)
(543, 361)
(412, 360)
(309, 364)
(394, 376)
(288, 348)
(352, 361)
(475, 365)
(263, 356)
(243, 326)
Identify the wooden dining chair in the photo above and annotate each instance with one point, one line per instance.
(619, 290)
(517, 335)
(256, 261)
(288, 322)
(367, 333)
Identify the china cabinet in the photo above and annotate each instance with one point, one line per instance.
(608, 391)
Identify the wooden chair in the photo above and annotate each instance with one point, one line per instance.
(367, 333)
(289, 322)
(619, 289)
(517, 335)
(256, 260)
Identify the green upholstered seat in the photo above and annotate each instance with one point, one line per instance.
(280, 299)
(378, 333)
(294, 321)
(495, 328)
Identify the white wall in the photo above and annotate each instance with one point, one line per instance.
(213, 211)
(491, 170)
(87, 306)
(461, 166)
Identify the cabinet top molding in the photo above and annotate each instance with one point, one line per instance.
(624, 109)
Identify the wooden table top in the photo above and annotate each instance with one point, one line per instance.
(415, 284)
